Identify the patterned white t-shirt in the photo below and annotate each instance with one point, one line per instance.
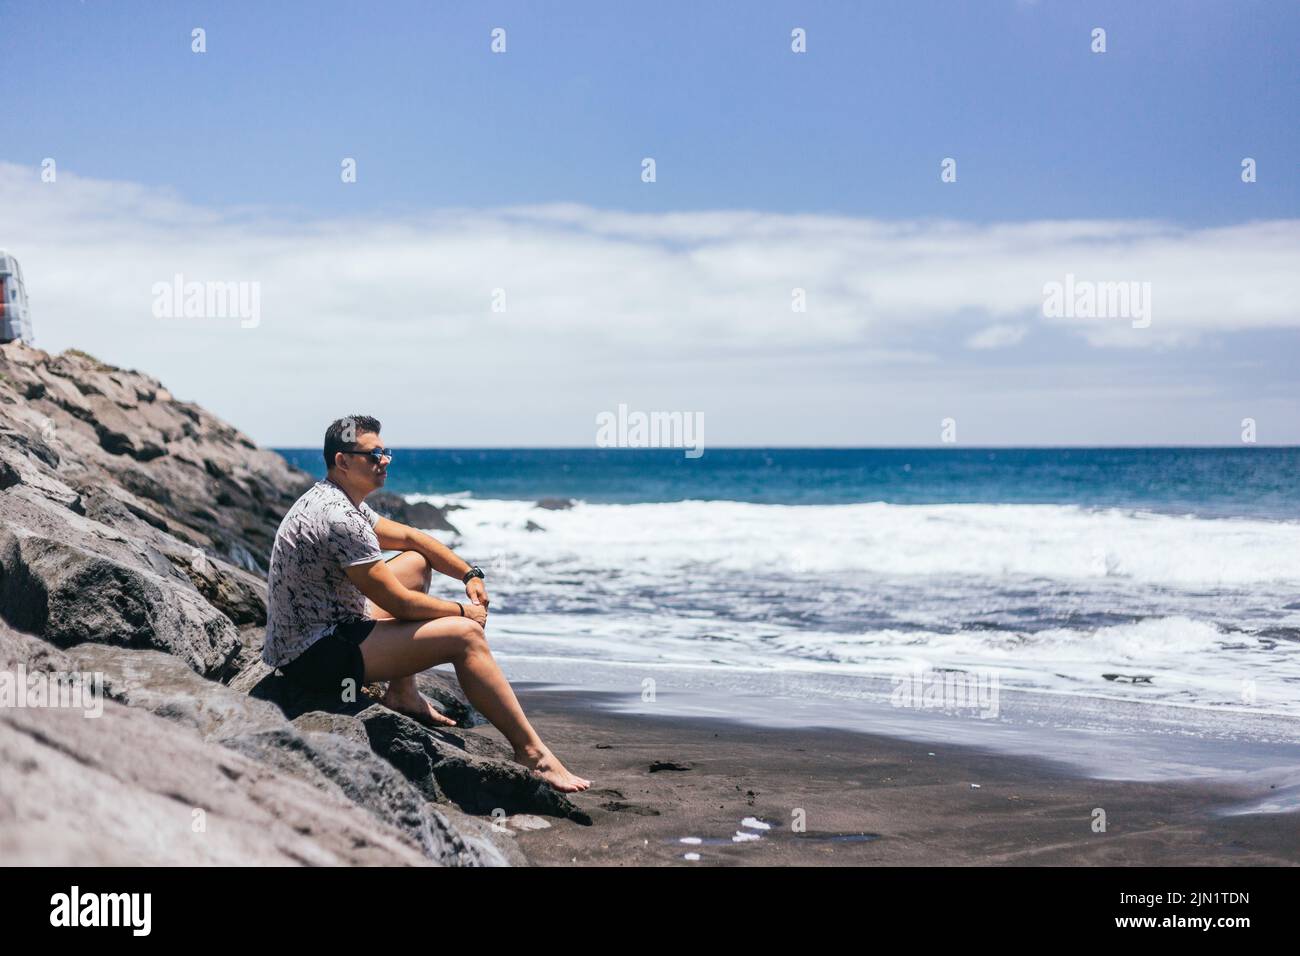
(308, 591)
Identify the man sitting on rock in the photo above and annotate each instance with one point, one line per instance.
(338, 613)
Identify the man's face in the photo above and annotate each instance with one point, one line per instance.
(362, 469)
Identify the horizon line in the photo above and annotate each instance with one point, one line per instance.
(954, 447)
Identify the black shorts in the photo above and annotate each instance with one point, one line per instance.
(334, 658)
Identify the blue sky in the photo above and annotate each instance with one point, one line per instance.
(162, 143)
(1041, 127)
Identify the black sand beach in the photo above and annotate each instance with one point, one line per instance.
(866, 800)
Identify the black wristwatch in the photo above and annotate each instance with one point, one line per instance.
(474, 572)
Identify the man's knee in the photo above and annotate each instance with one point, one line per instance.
(472, 636)
(414, 570)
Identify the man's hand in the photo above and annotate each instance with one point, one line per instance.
(476, 592)
(476, 614)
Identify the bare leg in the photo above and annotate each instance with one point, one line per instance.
(400, 649)
(402, 694)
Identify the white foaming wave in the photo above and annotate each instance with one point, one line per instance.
(1165, 639)
(1183, 657)
(1045, 541)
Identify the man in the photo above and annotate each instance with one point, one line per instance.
(337, 612)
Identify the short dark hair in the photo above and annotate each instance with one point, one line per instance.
(342, 434)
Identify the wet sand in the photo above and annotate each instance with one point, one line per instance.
(867, 800)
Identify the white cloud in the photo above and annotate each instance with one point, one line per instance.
(589, 289)
(997, 337)
(94, 248)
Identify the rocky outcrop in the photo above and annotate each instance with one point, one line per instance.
(115, 446)
(327, 748)
(417, 514)
(134, 535)
(131, 788)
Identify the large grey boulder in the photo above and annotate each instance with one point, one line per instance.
(462, 766)
(133, 789)
(130, 788)
(329, 750)
(474, 772)
(70, 579)
(163, 684)
(341, 764)
(418, 514)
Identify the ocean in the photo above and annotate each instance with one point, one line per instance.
(1162, 575)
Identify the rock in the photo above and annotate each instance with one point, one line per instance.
(556, 504)
(533, 526)
(323, 722)
(162, 684)
(165, 461)
(456, 765)
(69, 580)
(468, 769)
(129, 788)
(526, 821)
(472, 772)
(240, 595)
(265, 683)
(135, 532)
(35, 655)
(335, 763)
(330, 751)
(427, 517)
(249, 654)
(660, 765)
(418, 514)
(444, 690)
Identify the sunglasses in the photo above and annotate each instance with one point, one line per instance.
(376, 454)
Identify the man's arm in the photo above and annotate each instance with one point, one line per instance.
(394, 536)
(378, 582)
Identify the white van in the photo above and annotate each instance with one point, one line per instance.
(15, 320)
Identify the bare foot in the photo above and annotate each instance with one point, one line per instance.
(546, 765)
(413, 704)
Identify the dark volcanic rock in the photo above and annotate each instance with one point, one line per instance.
(148, 460)
(556, 504)
(419, 514)
(70, 579)
(164, 685)
(331, 751)
(135, 531)
(130, 788)
(265, 683)
(472, 772)
(335, 762)
(457, 765)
